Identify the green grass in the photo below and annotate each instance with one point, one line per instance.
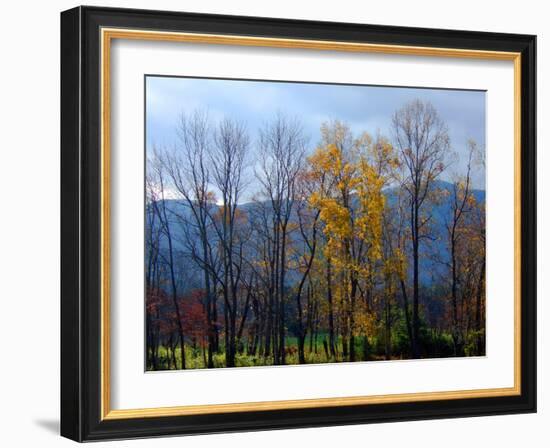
(436, 346)
(194, 358)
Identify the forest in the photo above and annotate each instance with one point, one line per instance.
(266, 249)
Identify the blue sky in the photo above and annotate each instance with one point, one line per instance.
(363, 108)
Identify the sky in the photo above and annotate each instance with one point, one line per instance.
(362, 107)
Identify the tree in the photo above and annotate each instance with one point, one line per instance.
(282, 149)
(422, 140)
(227, 160)
(351, 211)
(461, 204)
(308, 224)
(330, 248)
(153, 236)
(161, 210)
(187, 166)
(478, 226)
(466, 244)
(196, 324)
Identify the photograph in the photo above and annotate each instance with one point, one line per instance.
(291, 220)
(292, 223)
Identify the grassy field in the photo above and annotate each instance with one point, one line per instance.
(436, 345)
(194, 358)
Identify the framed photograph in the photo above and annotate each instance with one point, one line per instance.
(273, 223)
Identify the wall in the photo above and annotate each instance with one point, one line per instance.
(29, 236)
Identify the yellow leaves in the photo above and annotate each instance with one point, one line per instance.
(349, 176)
(352, 208)
(365, 323)
(471, 201)
(396, 264)
(325, 160)
(315, 199)
(372, 202)
(336, 218)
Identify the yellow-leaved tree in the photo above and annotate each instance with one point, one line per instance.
(350, 174)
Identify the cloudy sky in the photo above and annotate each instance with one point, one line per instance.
(363, 108)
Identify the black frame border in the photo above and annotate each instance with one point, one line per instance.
(81, 223)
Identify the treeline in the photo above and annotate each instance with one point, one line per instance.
(327, 262)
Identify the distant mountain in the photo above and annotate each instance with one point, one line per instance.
(431, 267)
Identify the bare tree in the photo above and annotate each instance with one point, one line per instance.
(282, 149)
(227, 160)
(308, 223)
(422, 139)
(153, 237)
(395, 226)
(461, 204)
(161, 210)
(478, 222)
(188, 169)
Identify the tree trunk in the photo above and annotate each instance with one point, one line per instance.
(282, 296)
(387, 326)
(454, 300)
(175, 298)
(353, 293)
(332, 344)
(479, 295)
(209, 308)
(407, 314)
(301, 348)
(415, 317)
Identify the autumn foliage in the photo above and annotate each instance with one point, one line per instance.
(351, 250)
